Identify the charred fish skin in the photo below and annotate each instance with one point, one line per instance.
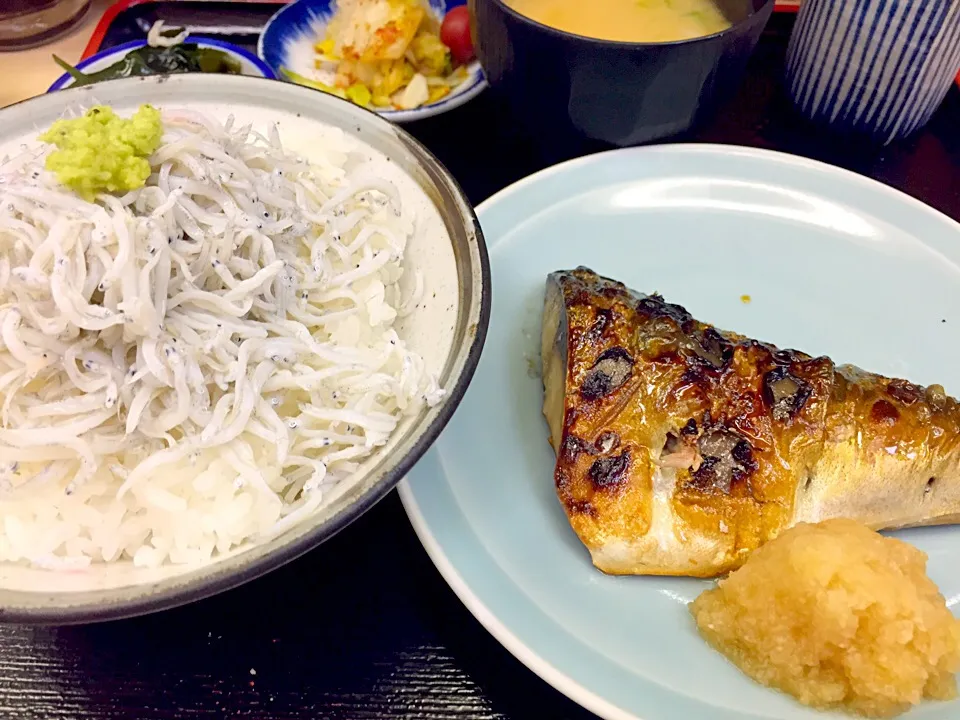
(681, 448)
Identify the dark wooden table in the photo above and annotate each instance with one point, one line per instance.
(364, 627)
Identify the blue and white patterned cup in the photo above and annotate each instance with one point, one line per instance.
(880, 67)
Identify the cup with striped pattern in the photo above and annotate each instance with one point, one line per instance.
(880, 67)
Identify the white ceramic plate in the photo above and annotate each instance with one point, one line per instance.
(447, 329)
(834, 263)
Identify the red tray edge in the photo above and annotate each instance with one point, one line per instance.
(100, 31)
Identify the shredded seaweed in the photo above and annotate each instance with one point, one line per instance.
(183, 58)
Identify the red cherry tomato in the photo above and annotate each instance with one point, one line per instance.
(455, 34)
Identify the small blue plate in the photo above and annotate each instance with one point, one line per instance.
(289, 36)
(834, 263)
(251, 64)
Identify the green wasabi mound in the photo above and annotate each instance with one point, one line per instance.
(103, 152)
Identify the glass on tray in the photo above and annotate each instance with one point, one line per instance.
(873, 67)
(26, 23)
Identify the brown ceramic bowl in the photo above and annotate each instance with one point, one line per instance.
(447, 331)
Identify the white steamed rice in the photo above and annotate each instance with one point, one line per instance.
(201, 362)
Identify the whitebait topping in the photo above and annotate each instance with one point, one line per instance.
(199, 362)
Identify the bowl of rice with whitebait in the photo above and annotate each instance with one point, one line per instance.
(233, 314)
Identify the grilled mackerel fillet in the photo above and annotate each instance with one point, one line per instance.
(681, 448)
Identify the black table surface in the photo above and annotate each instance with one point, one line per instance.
(364, 627)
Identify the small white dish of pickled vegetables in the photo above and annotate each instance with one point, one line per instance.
(404, 59)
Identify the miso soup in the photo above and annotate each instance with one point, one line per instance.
(632, 20)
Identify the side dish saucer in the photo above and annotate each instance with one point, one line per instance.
(287, 44)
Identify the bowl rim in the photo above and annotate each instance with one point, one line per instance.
(624, 44)
(124, 48)
(472, 86)
(175, 594)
